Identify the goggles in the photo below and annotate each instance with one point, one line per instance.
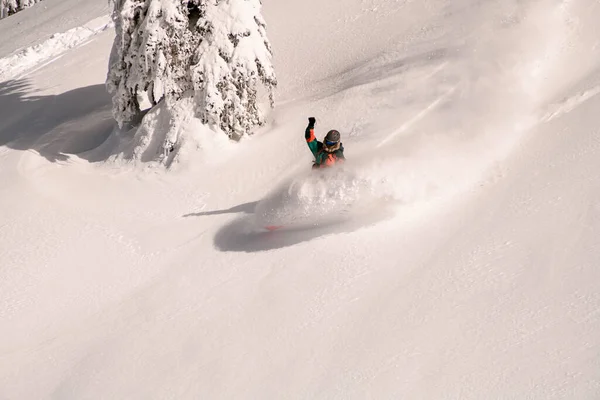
(329, 143)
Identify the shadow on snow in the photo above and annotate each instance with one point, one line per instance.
(247, 208)
(244, 235)
(73, 122)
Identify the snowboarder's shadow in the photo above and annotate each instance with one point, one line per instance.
(247, 208)
(243, 234)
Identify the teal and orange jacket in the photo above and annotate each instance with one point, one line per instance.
(323, 156)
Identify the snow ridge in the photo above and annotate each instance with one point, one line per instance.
(25, 60)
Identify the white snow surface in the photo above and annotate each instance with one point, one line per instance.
(21, 62)
(478, 124)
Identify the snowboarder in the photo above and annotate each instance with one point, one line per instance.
(328, 152)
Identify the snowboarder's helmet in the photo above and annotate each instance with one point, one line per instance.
(332, 138)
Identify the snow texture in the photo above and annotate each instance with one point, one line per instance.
(476, 123)
(21, 62)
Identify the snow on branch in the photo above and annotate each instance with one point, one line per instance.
(215, 52)
(10, 7)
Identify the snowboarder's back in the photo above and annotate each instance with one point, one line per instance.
(327, 153)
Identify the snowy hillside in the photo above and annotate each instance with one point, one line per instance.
(472, 135)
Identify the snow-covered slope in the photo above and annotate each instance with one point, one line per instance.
(479, 119)
(34, 25)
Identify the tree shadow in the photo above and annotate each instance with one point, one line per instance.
(247, 208)
(74, 122)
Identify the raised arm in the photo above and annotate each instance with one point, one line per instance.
(309, 135)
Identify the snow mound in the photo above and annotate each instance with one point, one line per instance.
(36, 56)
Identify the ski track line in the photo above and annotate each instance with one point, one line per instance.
(405, 126)
(570, 103)
(436, 70)
(42, 64)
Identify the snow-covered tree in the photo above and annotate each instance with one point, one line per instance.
(213, 52)
(9, 7)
